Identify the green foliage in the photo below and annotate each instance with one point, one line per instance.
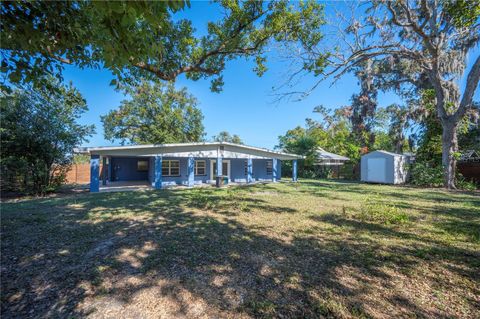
(464, 13)
(430, 137)
(143, 39)
(383, 141)
(373, 209)
(470, 138)
(465, 184)
(39, 131)
(156, 113)
(427, 174)
(81, 158)
(333, 133)
(224, 136)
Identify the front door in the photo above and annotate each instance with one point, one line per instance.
(225, 169)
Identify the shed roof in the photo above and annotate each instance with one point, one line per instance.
(385, 153)
(203, 149)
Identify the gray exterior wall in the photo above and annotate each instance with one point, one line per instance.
(401, 169)
(389, 165)
(396, 168)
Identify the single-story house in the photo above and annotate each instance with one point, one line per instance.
(384, 167)
(186, 164)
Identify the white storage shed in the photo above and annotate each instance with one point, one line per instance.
(384, 167)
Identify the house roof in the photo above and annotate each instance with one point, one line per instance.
(469, 156)
(205, 149)
(323, 155)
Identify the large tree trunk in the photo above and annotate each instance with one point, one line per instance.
(449, 148)
(399, 146)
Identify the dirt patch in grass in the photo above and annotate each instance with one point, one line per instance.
(312, 249)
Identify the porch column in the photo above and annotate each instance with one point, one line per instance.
(104, 170)
(94, 173)
(294, 171)
(274, 169)
(249, 170)
(158, 172)
(191, 171)
(219, 165)
(109, 171)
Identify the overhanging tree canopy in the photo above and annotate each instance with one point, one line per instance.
(141, 39)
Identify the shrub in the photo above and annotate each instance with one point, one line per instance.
(465, 184)
(426, 174)
(374, 210)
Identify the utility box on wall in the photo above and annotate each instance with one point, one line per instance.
(384, 167)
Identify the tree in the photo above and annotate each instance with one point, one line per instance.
(39, 131)
(364, 105)
(398, 123)
(142, 39)
(433, 38)
(333, 132)
(156, 113)
(224, 136)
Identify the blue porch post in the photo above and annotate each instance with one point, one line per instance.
(191, 171)
(158, 172)
(94, 173)
(294, 171)
(219, 165)
(249, 170)
(104, 170)
(274, 169)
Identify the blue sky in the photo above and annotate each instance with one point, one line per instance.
(245, 106)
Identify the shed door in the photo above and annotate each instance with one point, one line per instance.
(376, 169)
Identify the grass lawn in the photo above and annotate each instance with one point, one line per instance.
(312, 249)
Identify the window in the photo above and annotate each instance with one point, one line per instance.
(225, 165)
(200, 168)
(269, 167)
(170, 168)
(142, 165)
(246, 167)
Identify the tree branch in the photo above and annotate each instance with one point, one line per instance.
(58, 58)
(473, 79)
(219, 51)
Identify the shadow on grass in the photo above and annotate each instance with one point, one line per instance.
(58, 253)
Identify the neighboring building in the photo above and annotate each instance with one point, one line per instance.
(469, 166)
(329, 164)
(384, 167)
(186, 164)
(325, 158)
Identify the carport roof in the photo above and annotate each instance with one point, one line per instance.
(203, 148)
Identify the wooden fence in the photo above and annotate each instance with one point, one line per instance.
(470, 170)
(80, 174)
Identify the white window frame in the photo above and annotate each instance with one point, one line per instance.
(224, 162)
(204, 168)
(169, 167)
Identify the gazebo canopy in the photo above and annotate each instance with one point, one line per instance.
(325, 158)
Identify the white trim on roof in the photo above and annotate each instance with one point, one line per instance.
(384, 152)
(324, 155)
(189, 148)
